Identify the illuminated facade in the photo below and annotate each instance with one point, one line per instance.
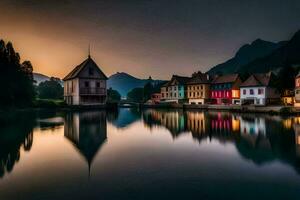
(258, 90)
(198, 89)
(297, 91)
(225, 89)
(174, 90)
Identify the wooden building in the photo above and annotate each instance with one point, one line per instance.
(85, 85)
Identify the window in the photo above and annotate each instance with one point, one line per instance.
(97, 84)
(244, 91)
(162, 95)
(251, 91)
(91, 71)
(86, 84)
(260, 91)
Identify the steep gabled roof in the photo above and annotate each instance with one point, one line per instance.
(76, 71)
(199, 79)
(182, 80)
(228, 78)
(258, 80)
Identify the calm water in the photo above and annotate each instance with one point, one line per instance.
(155, 154)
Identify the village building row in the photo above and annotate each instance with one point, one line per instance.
(258, 89)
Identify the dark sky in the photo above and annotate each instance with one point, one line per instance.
(142, 37)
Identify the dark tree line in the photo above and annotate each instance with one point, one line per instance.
(141, 95)
(51, 89)
(113, 96)
(16, 78)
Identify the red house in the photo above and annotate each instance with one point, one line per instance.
(225, 89)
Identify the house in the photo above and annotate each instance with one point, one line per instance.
(225, 89)
(85, 85)
(175, 89)
(155, 98)
(259, 89)
(198, 89)
(297, 91)
(288, 97)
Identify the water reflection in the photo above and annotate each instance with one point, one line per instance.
(260, 139)
(87, 131)
(255, 139)
(14, 136)
(122, 118)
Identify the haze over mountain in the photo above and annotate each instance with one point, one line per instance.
(123, 82)
(38, 77)
(261, 56)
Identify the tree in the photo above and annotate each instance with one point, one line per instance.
(286, 78)
(113, 96)
(51, 89)
(148, 91)
(16, 82)
(136, 95)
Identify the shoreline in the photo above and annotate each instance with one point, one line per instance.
(271, 109)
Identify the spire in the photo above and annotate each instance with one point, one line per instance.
(89, 51)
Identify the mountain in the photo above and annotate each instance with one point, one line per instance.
(40, 78)
(287, 54)
(245, 55)
(123, 82)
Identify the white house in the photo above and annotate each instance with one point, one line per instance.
(85, 85)
(258, 89)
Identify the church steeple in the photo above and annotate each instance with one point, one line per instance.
(89, 51)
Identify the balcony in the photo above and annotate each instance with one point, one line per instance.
(92, 91)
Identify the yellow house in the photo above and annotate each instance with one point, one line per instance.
(198, 89)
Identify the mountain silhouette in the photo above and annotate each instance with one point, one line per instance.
(245, 55)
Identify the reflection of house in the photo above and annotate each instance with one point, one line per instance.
(259, 89)
(174, 121)
(297, 134)
(221, 123)
(225, 89)
(198, 89)
(85, 84)
(253, 125)
(87, 131)
(196, 122)
(175, 89)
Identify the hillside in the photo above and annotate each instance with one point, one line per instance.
(123, 82)
(245, 55)
(40, 78)
(288, 54)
